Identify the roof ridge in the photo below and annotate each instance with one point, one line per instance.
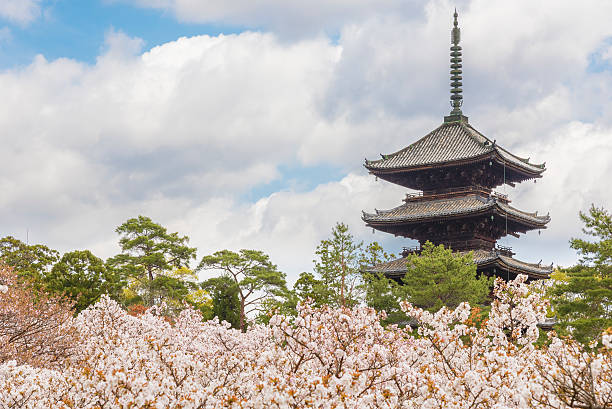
(449, 142)
(471, 130)
(390, 155)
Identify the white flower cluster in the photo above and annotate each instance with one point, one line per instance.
(606, 340)
(323, 358)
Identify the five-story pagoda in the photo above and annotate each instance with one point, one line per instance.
(456, 168)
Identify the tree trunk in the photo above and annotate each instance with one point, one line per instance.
(148, 299)
(342, 283)
(242, 318)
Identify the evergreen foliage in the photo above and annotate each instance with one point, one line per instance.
(31, 261)
(225, 303)
(254, 275)
(83, 277)
(584, 303)
(339, 279)
(149, 251)
(384, 294)
(338, 266)
(338, 269)
(438, 277)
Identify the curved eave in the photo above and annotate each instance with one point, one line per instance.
(394, 268)
(528, 172)
(380, 219)
(508, 264)
(407, 169)
(530, 220)
(397, 268)
(502, 157)
(451, 144)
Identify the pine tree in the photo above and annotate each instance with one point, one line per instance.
(438, 277)
(255, 278)
(584, 304)
(150, 252)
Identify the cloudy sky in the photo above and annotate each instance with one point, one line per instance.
(245, 123)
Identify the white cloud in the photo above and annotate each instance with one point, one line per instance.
(292, 18)
(184, 131)
(288, 225)
(119, 45)
(20, 11)
(197, 116)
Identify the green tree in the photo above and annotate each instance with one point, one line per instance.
(380, 292)
(584, 303)
(149, 251)
(438, 277)
(308, 287)
(338, 279)
(31, 261)
(197, 297)
(172, 291)
(225, 303)
(338, 263)
(384, 294)
(256, 278)
(374, 254)
(83, 277)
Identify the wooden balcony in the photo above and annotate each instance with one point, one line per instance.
(455, 191)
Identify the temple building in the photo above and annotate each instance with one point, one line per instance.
(455, 168)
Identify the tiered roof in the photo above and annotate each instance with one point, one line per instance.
(460, 206)
(452, 144)
(457, 167)
(484, 259)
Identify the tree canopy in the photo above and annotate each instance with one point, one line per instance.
(225, 303)
(583, 302)
(337, 279)
(32, 261)
(438, 277)
(254, 275)
(149, 251)
(83, 277)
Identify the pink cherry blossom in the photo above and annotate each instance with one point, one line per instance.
(323, 358)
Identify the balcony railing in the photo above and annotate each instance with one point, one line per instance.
(411, 250)
(504, 250)
(455, 191)
(500, 196)
(465, 245)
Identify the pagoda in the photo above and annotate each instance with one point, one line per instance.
(454, 170)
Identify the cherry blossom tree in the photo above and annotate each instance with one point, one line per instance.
(35, 329)
(323, 358)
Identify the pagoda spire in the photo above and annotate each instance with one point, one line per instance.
(456, 98)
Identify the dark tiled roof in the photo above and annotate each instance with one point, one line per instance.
(530, 267)
(450, 142)
(459, 205)
(485, 256)
(481, 257)
(533, 217)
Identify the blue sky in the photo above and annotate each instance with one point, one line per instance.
(76, 29)
(245, 124)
